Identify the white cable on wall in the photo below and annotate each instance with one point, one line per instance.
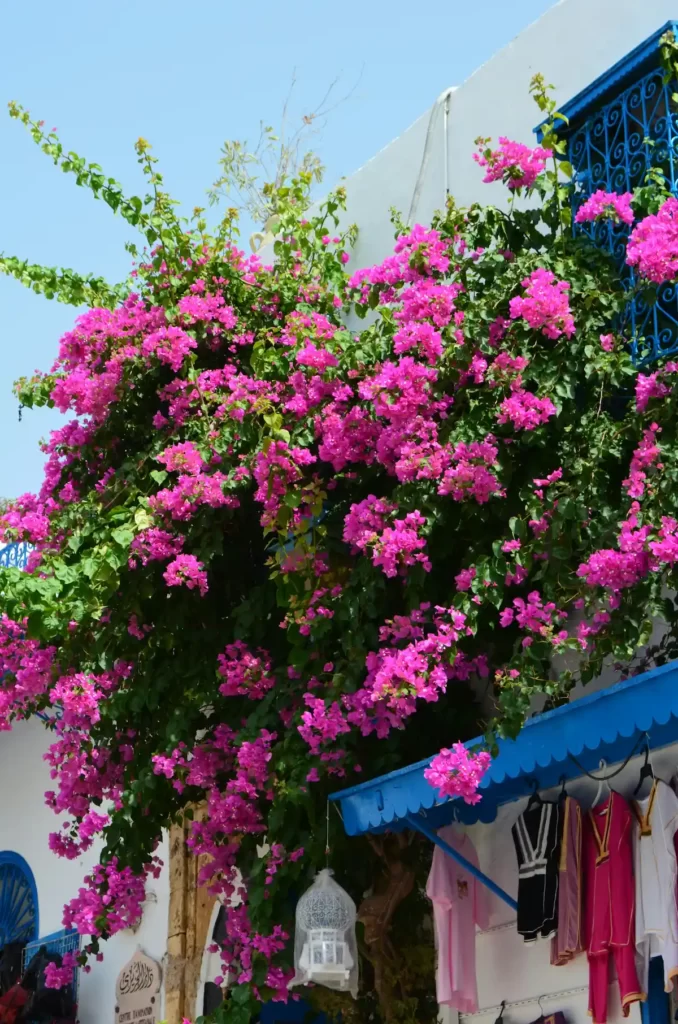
(444, 101)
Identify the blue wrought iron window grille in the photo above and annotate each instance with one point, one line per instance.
(15, 556)
(620, 127)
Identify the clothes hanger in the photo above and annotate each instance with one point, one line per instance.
(501, 1012)
(535, 799)
(541, 1009)
(563, 792)
(646, 771)
(602, 766)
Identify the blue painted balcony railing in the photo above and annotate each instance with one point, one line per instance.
(614, 150)
(621, 126)
(15, 556)
(65, 941)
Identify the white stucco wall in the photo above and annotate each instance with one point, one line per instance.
(573, 43)
(25, 823)
(506, 967)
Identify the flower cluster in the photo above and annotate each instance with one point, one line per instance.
(534, 615)
(515, 164)
(602, 204)
(525, 410)
(186, 571)
(458, 773)
(470, 474)
(245, 674)
(111, 899)
(653, 244)
(545, 305)
(393, 547)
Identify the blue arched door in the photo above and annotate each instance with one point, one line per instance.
(19, 921)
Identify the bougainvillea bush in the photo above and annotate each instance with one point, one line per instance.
(275, 555)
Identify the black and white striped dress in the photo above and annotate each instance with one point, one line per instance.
(537, 837)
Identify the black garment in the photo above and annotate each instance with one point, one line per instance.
(553, 1018)
(46, 1004)
(537, 836)
(213, 996)
(10, 965)
(557, 1018)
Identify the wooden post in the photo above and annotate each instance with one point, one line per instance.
(190, 912)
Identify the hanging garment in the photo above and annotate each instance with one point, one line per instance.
(46, 1004)
(536, 836)
(655, 868)
(10, 965)
(459, 904)
(12, 1004)
(567, 942)
(553, 1018)
(609, 904)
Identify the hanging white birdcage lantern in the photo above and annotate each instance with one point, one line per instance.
(325, 951)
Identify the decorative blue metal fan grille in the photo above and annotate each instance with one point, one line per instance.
(18, 905)
(613, 150)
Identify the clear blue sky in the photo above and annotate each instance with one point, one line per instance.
(187, 76)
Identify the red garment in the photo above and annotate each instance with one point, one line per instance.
(12, 1003)
(609, 904)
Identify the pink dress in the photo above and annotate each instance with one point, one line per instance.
(459, 904)
(567, 942)
(610, 904)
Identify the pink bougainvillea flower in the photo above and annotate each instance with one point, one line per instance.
(653, 244)
(525, 410)
(545, 305)
(648, 386)
(606, 204)
(458, 773)
(512, 162)
(186, 571)
(317, 358)
(245, 674)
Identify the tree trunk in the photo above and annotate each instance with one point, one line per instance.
(394, 884)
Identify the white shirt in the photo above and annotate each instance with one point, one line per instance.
(655, 870)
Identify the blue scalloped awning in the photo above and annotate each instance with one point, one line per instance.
(602, 725)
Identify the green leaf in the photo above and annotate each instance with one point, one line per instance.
(142, 519)
(123, 536)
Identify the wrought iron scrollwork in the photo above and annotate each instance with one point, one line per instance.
(15, 556)
(613, 150)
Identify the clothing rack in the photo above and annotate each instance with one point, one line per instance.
(504, 926)
(547, 996)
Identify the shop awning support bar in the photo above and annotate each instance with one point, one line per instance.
(433, 837)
